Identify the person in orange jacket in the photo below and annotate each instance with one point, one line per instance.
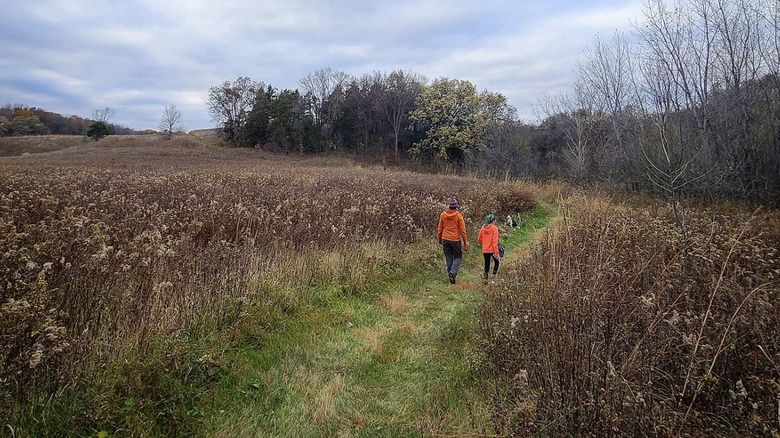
(488, 237)
(452, 228)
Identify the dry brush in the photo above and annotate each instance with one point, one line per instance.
(605, 331)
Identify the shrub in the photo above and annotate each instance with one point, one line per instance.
(98, 130)
(605, 330)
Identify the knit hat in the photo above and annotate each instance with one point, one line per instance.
(453, 204)
(489, 219)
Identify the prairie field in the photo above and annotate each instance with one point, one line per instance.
(13, 146)
(172, 288)
(125, 256)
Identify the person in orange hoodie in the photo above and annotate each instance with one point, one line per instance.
(452, 228)
(488, 237)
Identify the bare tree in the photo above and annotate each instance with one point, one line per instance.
(320, 87)
(738, 67)
(607, 75)
(668, 158)
(370, 89)
(769, 21)
(580, 127)
(508, 150)
(606, 72)
(605, 69)
(229, 104)
(716, 54)
(321, 84)
(102, 114)
(171, 120)
(403, 87)
(696, 104)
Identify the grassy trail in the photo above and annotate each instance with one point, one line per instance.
(395, 362)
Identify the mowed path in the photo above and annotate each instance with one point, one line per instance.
(401, 363)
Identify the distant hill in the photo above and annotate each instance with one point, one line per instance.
(207, 134)
(36, 144)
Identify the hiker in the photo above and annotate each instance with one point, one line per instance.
(488, 237)
(452, 229)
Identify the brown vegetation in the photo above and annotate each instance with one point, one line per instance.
(123, 252)
(14, 146)
(604, 330)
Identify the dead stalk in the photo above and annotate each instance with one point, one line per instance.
(709, 309)
(770, 360)
(704, 323)
(720, 349)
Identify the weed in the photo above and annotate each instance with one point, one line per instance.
(603, 331)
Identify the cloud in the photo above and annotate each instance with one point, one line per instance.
(56, 77)
(139, 55)
(523, 64)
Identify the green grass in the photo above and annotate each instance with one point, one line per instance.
(359, 365)
(530, 223)
(395, 361)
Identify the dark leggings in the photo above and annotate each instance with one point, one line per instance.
(488, 257)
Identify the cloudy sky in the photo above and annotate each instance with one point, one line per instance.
(136, 56)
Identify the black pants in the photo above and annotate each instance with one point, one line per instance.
(488, 257)
(453, 254)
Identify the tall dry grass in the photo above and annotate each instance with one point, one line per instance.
(605, 330)
(105, 260)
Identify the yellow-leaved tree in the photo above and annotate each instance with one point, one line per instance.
(455, 119)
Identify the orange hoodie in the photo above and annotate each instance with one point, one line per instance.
(452, 227)
(488, 237)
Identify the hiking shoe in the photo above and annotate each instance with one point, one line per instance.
(452, 279)
(493, 280)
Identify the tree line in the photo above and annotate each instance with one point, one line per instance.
(18, 120)
(686, 104)
(396, 112)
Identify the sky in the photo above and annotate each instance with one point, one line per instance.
(136, 56)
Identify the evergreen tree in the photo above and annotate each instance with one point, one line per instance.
(98, 130)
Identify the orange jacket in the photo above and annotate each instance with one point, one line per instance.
(452, 227)
(488, 237)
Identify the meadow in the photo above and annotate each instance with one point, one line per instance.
(129, 267)
(15, 146)
(156, 288)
